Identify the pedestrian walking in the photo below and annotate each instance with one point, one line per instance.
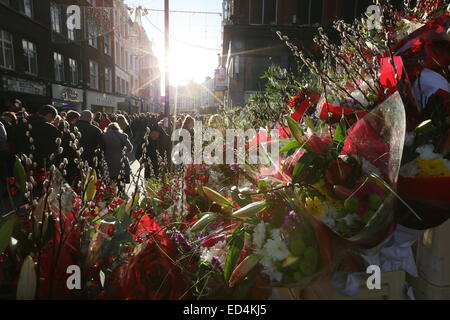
(115, 143)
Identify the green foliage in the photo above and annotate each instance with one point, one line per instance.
(270, 106)
(20, 175)
(6, 230)
(234, 249)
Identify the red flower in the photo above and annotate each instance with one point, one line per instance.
(334, 114)
(12, 181)
(289, 164)
(152, 273)
(13, 191)
(365, 141)
(301, 102)
(319, 145)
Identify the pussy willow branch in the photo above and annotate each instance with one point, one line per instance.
(313, 67)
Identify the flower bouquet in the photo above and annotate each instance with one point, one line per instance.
(345, 178)
(425, 174)
(262, 241)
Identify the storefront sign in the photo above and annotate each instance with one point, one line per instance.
(67, 93)
(24, 86)
(221, 80)
(102, 99)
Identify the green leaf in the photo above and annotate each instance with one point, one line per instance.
(102, 278)
(19, 175)
(302, 164)
(291, 145)
(234, 249)
(6, 231)
(205, 221)
(308, 122)
(341, 132)
(120, 212)
(295, 128)
(90, 189)
(26, 287)
(245, 287)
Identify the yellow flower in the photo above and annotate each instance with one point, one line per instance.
(332, 202)
(314, 206)
(432, 168)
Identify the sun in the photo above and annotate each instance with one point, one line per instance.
(186, 64)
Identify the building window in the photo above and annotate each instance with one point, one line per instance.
(58, 63)
(116, 52)
(93, 74)
(310, 11)
(122, 57)
(56, 18)
(117, 85)
(93, 34)
(107, 44)
(71, 34)
(93, 41)
(6, 50)
(26, 7)
(73, 69)
(108, 79)
(30, 55)
(263, 12)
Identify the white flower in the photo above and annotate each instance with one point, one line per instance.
(270, 269)
(207, 255)
(276, 249)
(427, 152)
(215, 251)
(409, 170)
(259, 235)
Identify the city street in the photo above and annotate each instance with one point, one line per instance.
(288, 150)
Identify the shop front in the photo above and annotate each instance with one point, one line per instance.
(130, 106)
(102, 102)
(33, 94)
(67, 98)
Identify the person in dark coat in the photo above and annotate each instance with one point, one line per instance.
(9, 120)
(115, 142)
(125, 126)
(91, 139)
(3, 153)
(44, 135)
(159, 142)
(68, 128)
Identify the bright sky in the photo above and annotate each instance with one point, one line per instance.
(192, 37)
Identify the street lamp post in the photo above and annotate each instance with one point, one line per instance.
(166, 36)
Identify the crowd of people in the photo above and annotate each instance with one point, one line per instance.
(115, 139)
